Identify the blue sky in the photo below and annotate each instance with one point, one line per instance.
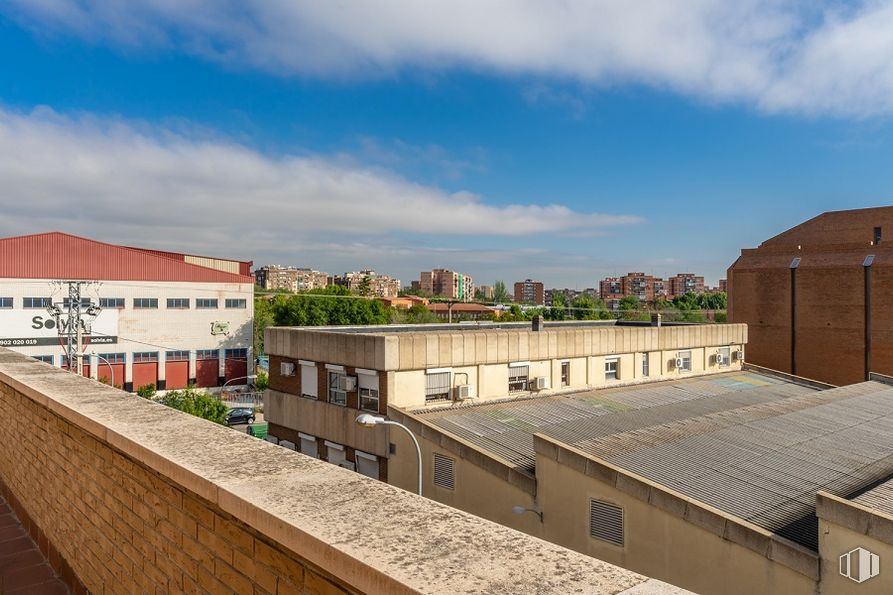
(564, 147)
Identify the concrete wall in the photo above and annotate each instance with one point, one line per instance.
(126, 495)
(659, 539)
(845, 526)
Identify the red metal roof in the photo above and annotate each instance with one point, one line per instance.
(58, 255)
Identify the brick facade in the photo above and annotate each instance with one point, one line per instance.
(107, 522)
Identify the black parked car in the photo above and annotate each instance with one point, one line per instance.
(240, 415)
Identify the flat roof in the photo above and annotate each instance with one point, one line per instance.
(472, 326)
(755, 446)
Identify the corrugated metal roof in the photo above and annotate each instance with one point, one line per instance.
(751, 445)
(57, 255)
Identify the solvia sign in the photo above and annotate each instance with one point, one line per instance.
(23, 328)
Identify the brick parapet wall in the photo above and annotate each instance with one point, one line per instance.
(127, 495)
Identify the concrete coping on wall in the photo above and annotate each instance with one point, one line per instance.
(855, 516)
(704, 516)
(373, 536)
(789, 377)
(494, 464)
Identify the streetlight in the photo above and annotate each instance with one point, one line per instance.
(522, 510)
(111, 369)
(238, 378)
(367, 420)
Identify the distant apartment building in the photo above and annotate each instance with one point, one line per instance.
(610, 288)
(368, 282)
(569, 294)
(817, 298)
(485, 291)
(281, 278)
(448, 284)
(640, 285)
(530, 292)
(683, 283)
(723, 285)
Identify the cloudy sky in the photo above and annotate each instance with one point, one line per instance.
(564, 141)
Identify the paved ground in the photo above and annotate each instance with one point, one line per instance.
(23, 569)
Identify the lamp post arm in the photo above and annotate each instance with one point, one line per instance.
(111, 369)
(414, 441)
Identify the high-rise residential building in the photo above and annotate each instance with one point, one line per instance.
(369, 283)
(684, 283)
(816, 298)
(723, 285)
(530, 292)
(485, 291)
(610, 288)
(640, 285)
(448, 284)
(280, 278)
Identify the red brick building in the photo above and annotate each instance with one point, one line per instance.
(530, 292)
(817, 298)
(684, 283)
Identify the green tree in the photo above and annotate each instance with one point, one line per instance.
(198, 403)
(262, 382)
(263, 317)
(558, 310)
(500, 293)
(365, 286)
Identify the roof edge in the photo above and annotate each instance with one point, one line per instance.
(855, 516)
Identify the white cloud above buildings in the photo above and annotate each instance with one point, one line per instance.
(131, 182)
(775, 55)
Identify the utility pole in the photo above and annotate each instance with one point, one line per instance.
(75, 324)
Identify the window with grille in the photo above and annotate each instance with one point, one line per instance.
(444, 474)
(368, 390)
(207, 354)
(5, 302)
(685, 356)
(145, 303)
(606, 522)
(176, 356)
(611, 366)
(518, 377)
(178, 303)
(205, 303)
(240, 354)
(85, 302)
(111, 302)
(336, 395)
(114, 358)
(644, 364)
(437, 386)
(44, 358)
(565, 373)
(142, 357)
(36, 302)
(236, 303)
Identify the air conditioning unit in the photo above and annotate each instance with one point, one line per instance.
(287, 369)
(539, 383)
(739, 355)
(461, 392)
(348, 465)
(347, 383)
(678, 363)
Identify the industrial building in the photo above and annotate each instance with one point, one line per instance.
(740, 482)
(321, 378)
(816, 298)
(162, 318)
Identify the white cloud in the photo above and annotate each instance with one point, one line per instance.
(779, 55)
(128, 182)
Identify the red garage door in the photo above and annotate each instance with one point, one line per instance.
(145, 369)
(236, 365)
(176, 369)
(207, 367)
(111, 365)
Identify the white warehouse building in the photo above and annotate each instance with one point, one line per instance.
(164, 318)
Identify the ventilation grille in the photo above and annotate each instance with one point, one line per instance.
(443, 472)
(606, 522)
